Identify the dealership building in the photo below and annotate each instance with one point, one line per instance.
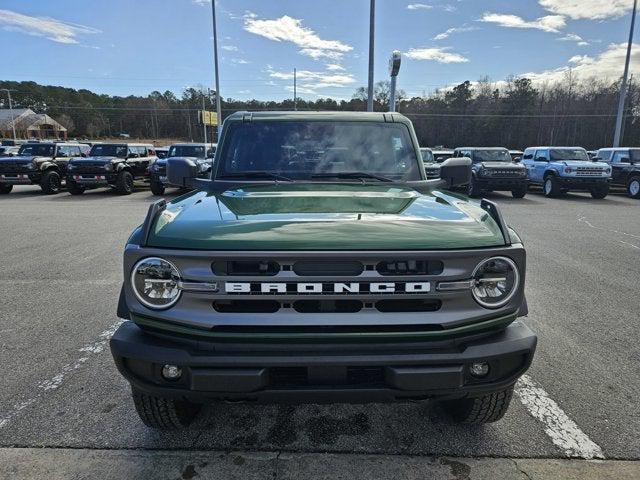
(29, 124)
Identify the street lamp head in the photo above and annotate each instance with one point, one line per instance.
(394, 63)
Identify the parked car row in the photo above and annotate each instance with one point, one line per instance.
(78, 167)
(556, 169)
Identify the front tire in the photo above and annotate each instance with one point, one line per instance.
(599, 192)
(164, 413)
(5, 188)
(50, 182)
(551, 187)
(124, 183)
(472, 189)
(74, 189)
(633, 187)
(519, 192)
(476, 411)
(157, 188)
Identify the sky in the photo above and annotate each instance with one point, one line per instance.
(124, 47)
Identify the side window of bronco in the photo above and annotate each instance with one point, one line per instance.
(620, 157)
(65, 151)
(528, 154)
(541, 155)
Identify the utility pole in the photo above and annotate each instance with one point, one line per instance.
(13, 122)
(204, 124)
(215, 61)
(623, 87)
(624, 115)
(295, 92)
(372, 21)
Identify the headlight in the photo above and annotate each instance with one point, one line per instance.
(495, 281)
(155, 282)
(108, 167)
(71, 166)
(568, 169)
(31, 166)
(607, 171)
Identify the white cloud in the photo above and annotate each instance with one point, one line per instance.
(549, 23)
(572, 37)
(607, 64)
(50, 28)
(419, 6)
(440, 55)
(334, 67)
(589, 9)
(230, 48)
(312, 81)
(240, 61)
(288, 29)
(447, 33)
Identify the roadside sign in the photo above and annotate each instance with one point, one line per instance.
(208, 118)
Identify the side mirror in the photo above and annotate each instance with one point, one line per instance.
(181, 171)
(517, 159)
(456, 171)
(83, 155)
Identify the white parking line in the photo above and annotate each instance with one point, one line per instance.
(584, 220)
(56, 381)
(563, 431)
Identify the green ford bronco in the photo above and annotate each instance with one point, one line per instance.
(318, 264)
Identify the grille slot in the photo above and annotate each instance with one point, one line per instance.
(246, 306)
(327, 306)
(408, 305)
(410, 267)
(245, 267)
(330, 268)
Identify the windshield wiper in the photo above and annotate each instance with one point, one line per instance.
(357, 175)
(252, 174)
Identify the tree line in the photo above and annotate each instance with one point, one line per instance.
(515, 113)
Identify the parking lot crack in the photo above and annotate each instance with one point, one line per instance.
(519, 469)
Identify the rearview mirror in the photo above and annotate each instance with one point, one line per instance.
(456, 171)
(181, 171)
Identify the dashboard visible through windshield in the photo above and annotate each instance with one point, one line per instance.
(309, 150)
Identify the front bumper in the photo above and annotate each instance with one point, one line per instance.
(92, 179)
(20, 178)
(490, 183)
(582, 183)
(318, 373)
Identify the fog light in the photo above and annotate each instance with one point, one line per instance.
(171, 372)
(479, 369)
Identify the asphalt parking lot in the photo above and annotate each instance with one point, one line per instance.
(61, 259)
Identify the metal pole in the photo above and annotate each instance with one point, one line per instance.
(204, 124)
(13, 122)
(624, 115)
(372, 21)
(215, 61)
(623, 87)
(392, 95)
(295, 92)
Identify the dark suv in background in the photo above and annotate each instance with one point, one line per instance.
(625, 168)
(43, 164)
(115, 165)
(493, 169)
(200, 153)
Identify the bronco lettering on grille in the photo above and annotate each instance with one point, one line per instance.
(275, 288)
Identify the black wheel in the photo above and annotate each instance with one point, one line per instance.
(5, 188)
(475, 411)
(519, 192)
(633, 187)
(124, 183)
(164, 413)
(74, 189)
(599, 192)
(50, 182)
(551, 188)
(157, 188)
(472, 189)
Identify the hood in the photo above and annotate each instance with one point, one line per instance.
(19, 159)
(313, 216)
(588, 164)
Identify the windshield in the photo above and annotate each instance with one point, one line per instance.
(307, 149)
(108, 150)
(427, 155)
(187, 151)
(491, 156)
(569, 154)
(36, 149)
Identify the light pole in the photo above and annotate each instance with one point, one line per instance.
(394, 69)
(295, 89)
(215, 61)
(372, 22)
(623, 87)
(13, 122)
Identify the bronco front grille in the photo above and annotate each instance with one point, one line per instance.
(89, 168)
(14, 167)
(505, 172)
(588, 171)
